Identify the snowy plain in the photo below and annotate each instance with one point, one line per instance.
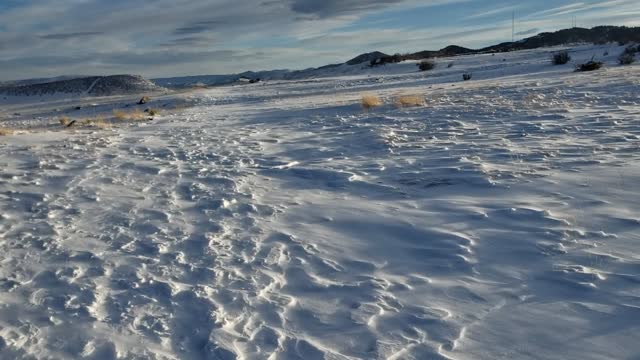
(280, 220)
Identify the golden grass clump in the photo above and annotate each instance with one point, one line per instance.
(153, 112)
(100, 123)
(6, 131)
(97, 122)
(371, 101)
(135, 115)
(65, 121)
(409, 101)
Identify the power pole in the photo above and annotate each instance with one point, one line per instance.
(513, 26)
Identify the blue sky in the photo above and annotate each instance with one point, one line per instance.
(156, 38)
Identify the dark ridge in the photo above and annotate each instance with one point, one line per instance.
(596, 35)
(368, 57)
(91, 86)
(122, 84)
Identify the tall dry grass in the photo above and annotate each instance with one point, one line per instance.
(409, 100)
(134, 115)
(370, 101)
(65, 121)
(99, 123)
(6, 131)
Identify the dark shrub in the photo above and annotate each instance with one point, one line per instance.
(387, 60)
(451, 65)
(626, 59)
(426, 65)
(590, 66)
(466, 76)
(631, 50)
(561, 58)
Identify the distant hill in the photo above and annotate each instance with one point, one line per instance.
(368, 57)
(596, 35)
(90, 86)
(214, 80)
(124, 84)
(39, 80)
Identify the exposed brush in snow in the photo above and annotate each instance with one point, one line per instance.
(632, 50)
(628, 56)
(409, 101)
(152, 111)
(561, 58)
(466, 76)
(135, 115)
(65, 121)
(6, 131)
(426, 65)
(590, 66)
(99, 123)
(626, 59)
(371, 101)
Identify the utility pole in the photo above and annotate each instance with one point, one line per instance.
(513, 26)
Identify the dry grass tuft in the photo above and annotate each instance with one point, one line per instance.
(65, 121)
(153, 112)
(119, 114)
(409, 101)
(371, 101)
(6, 131)
(100, 123)
(135, 115)
(97, 122)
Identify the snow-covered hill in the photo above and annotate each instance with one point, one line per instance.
(280, 220)
(91, 86)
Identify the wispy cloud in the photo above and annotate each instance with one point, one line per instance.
(70, 35)
(528, 32)
(493, 12)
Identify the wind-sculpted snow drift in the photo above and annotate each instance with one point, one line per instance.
(282, 221)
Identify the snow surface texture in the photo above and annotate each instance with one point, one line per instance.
(282, 221)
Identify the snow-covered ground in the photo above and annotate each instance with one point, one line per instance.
(282, 221)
